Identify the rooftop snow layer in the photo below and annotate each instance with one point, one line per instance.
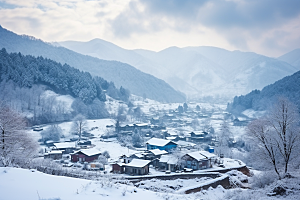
(197, 155)
(138, 163)
(54, 152)
(89, 152)
(158, 152)
(168, 159)
(158, 142)
(207, 154)
(64, 145)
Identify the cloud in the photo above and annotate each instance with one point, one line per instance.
(252, 25)
(240, 22)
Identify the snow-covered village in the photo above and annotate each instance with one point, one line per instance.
(178, 100)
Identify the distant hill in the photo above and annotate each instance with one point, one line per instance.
(195, 71)
(292, 58)
(121, 74)
(260, 100)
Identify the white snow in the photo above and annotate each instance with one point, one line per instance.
(197, 155)
(169, 159)
(158, 152)
(158, 142)
(63, 145)
(89, 152)
(138, 163)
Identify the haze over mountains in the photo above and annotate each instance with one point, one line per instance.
(197, 71)
(292, 58)
(139, 83)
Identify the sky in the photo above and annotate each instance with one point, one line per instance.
(268, 27)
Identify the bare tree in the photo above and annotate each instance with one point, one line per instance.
(284, 120)
(79, 125)
(16, 146)
(261, 132)
(278, 134)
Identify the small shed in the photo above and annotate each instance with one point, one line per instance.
(54, 154)
(137, 167)
(86, 155)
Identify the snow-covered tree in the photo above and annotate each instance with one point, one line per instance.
(224, 135)
(278, 134)
(79, 125)
(16, 146)
(54, 132)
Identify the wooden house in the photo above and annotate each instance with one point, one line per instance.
(195, 161)
(65, 147)
(168, 162)
(118, 168)
(54, 154)
(86, 155)
(161, 144)
(155, 153)
(137, 167)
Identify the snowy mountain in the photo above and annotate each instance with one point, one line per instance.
(139, 83)
(195, 71)
(260, 100)
(292, 58)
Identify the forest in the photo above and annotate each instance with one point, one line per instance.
(24, 79)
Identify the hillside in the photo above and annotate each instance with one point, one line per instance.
(292, 58)
(195, 71)
(121, 74)
(260, 100)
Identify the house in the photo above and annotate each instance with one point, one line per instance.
(65, 147)
(132, 127)
(209, 156)
(168, 162)
(155, 154)
(86, 155)
(137, 167)
(54, 154)
(200, 136)
(161, 144)
(118, 168)
(84, 144)
(240, 122)
(195, 161)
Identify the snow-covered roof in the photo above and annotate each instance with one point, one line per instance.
(89, 152)
(169, 159)
(158, 152)
(171, 138)
(64, 145)
(198, 132)
(142, 124)
(158, 142)
(138, 163)
(207, 154)
(196, 155)
(54, 152)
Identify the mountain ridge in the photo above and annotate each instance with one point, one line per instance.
(122, 74)
(205, 70)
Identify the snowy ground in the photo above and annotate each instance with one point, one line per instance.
(27, 184)
(169, 186)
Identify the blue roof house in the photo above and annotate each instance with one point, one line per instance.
(161, 144)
